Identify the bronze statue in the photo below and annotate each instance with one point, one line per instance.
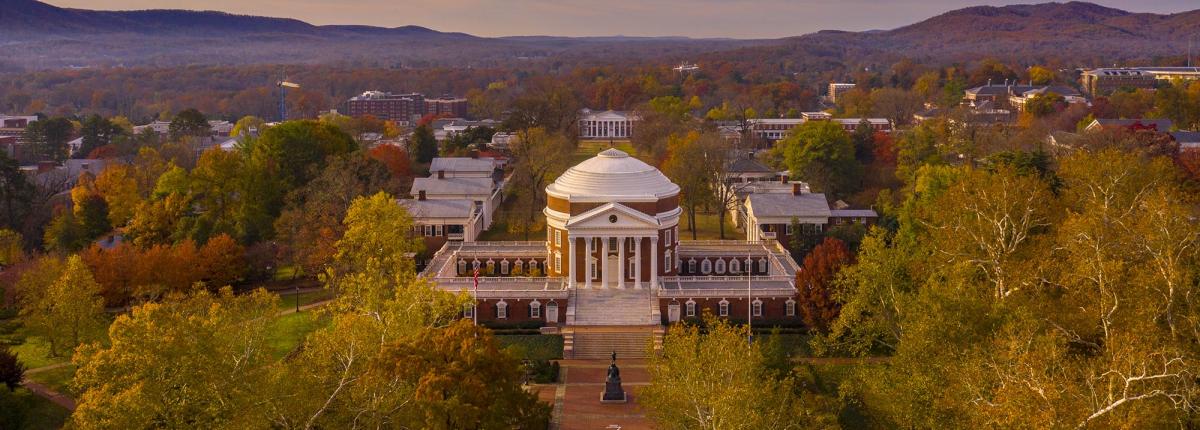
(613, 393)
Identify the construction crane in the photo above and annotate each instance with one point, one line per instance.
(283, 85)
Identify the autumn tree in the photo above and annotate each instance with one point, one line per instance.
(311, 222)
(449, 395)
(714, 380)
(689, 165)
(61, 302)
(815, 282)
(538, 157)
(217, 345)
(395, 158)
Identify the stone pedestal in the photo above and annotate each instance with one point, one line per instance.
(613, 393)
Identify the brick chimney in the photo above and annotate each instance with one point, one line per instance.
(421, 195)
(441, 174)
(797, 188)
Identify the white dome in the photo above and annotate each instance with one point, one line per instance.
(612, 176)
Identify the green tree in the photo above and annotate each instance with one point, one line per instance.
(188, 123)
(1044, 105)
(97, 131)
(377, 228)
(48, 138)
(822, 154)
(424, 144)
(16, 192)
(291, 149)
(1039, 75)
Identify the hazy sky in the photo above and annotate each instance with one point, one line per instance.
(696, 18)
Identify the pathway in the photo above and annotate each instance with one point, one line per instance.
(577, 396)
(44, 391)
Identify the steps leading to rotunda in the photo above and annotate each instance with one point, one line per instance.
(594, 343)
(614, 307)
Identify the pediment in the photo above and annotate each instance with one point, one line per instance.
(612, 215)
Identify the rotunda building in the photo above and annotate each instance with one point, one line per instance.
(612, 222)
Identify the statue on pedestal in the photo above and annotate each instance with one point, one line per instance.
(613, 393)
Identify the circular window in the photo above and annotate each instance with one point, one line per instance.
(612, 219)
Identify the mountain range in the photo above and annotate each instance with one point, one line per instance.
(38, 35)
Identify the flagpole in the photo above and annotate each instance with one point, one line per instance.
(475, 298)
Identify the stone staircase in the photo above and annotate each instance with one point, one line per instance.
(614, 307)
(599, 342)
(603, 320)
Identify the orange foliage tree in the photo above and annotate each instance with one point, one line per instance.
(125, 271)
(395, 158)
(815, 283)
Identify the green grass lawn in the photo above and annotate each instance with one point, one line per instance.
(288, 301)
(39, 413)
(589, 148)
(57, 379)
(708, 228)
(34, 352)
(287, 331)
(533, 346)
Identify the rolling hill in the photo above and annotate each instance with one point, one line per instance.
(38, 35)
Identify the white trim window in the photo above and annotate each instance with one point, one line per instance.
(756, 307)
(462, 267)
(535, 309)
(691, 308)
(519, 265)
(491, 267)
(551, 309)
(789, 308)
(723, 308)
(504, 267)
(438, 230)
(469, 311)
(558, 238)
(667, 261)
(762, 265)
(475, 264)
(692, 266)
(558, 262)
(705, 266)
(719, 267)
(501, 310)
(735, 266)
(788, 230)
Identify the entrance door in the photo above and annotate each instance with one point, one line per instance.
(552, 313)
(673, 312)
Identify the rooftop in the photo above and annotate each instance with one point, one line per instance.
(780, 205)
(438, 208)
(612, 175)
(452, 186)
(462, 164)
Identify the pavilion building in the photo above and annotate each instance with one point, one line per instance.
(612, 270)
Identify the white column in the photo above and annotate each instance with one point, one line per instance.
(587, 283)
(604, 262)
(621, 259)
(637, 262)
(571, 259)
(654, 261)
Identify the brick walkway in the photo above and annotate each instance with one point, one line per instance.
(577, 396)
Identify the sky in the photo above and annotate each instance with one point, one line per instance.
(745, 19)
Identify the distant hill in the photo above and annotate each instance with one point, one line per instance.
(38, 35)
(1078, 32)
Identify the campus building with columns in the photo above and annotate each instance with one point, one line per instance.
(613, 268)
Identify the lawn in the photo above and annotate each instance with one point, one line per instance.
(287, 331)
(34, 352)
(58, 379)
(39, 413)
(287, 300)
(533, 346)
(708, 228)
